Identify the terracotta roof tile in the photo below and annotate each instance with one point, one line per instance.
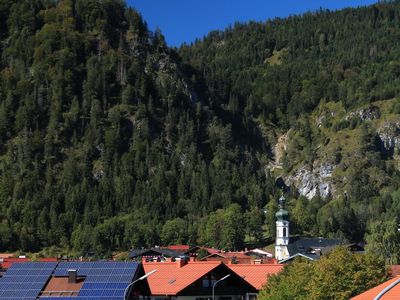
(59, 286)
(7, 262)
(236, 254)
(48, 259)
(179, 247)
(228, 255)
(393, 294)
(256, 275)
(212, 250)
(171, 279)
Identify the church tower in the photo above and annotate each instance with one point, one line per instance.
(282, 231)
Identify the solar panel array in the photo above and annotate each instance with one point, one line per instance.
(103, 280)
(24, 281)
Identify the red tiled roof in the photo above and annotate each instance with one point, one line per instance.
(212, 250)
(6, 255)
(48, 259)
(171, 279)
(392, 294)
(228, 255)
(236, 254)
(179, 247)
(7, 262)
(59, 286)
(256, 275)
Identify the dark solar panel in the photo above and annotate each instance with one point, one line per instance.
(103, 280)
(24, 281)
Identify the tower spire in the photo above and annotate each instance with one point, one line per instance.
(282, 230)
(282, 201)
(282, 213)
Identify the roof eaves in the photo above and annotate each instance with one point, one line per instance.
(217, 264)
(296, 255)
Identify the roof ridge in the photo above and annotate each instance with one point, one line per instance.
(188, 263)
(258, 265)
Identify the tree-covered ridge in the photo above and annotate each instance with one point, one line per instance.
(285, 67)
(111, 140)
(327, 84)
(103, 140)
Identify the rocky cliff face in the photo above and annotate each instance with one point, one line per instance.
(317, 177)
(278, 151)
(311, 181)
(365, 114)
(389, 134)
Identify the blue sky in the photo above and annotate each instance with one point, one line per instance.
(185, 20)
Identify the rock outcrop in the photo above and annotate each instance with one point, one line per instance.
(280, 149)
(311, 181)
(365, 114)
(389, 134)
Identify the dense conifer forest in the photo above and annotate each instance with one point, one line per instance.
(109, 139)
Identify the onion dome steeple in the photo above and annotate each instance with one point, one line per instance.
(282, 231)
(282, 214)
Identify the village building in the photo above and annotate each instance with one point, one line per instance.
(282, 231)
(156, 254)
(389, 290)
(185, 279)
(100, 280)
(190, 280)
(198, 250)
(6, 261)
(257, 275)
(243, 257)
(229, 258)
(287, 248)
(258, 253)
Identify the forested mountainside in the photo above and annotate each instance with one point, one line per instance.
(105, 145)
(323, 91)
(112, 140)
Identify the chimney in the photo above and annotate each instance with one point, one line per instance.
(180, 263)
(192, 259)
(72, 276)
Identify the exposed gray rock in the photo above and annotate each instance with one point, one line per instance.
(366, 114)
(389, 134)
(326, 116)
(309, 182)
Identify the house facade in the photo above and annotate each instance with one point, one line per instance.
(189, 280)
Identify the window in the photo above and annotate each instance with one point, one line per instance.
(206, 282)
(284, 232)
(251, 296)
